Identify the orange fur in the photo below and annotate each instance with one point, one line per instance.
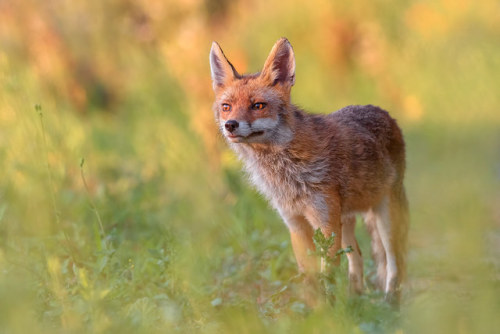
(318, 171)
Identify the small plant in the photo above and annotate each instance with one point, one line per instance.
(332, 278)
(323, 245)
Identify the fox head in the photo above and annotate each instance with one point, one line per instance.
(254, 108)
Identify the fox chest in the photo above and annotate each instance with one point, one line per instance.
(287, 183)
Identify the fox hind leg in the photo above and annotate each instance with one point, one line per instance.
(390, 222)
(398, 207)
(385, 229)
(378, 250)
(354, 257)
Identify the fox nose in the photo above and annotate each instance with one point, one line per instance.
(231, 125)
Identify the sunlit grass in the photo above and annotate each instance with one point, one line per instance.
(121, 210)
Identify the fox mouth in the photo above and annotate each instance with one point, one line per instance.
(253, 134)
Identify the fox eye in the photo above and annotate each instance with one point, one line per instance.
(259, 106)
(226, 107)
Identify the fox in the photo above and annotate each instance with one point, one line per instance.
(318, 171)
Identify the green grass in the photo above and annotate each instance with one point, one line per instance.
(136, 217)
(184, 249)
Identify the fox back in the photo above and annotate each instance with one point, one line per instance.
(317, 171)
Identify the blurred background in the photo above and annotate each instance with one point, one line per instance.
(122, 209)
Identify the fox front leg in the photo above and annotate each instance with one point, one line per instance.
(326, 216)
(301, 235)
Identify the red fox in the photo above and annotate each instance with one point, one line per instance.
(318, 171)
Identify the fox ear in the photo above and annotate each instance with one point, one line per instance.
(280, 64)
(222, 70)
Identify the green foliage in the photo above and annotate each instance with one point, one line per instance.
(155, 229)
(323, 244)
(332, 278)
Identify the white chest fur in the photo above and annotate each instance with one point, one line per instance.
(288, 183)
